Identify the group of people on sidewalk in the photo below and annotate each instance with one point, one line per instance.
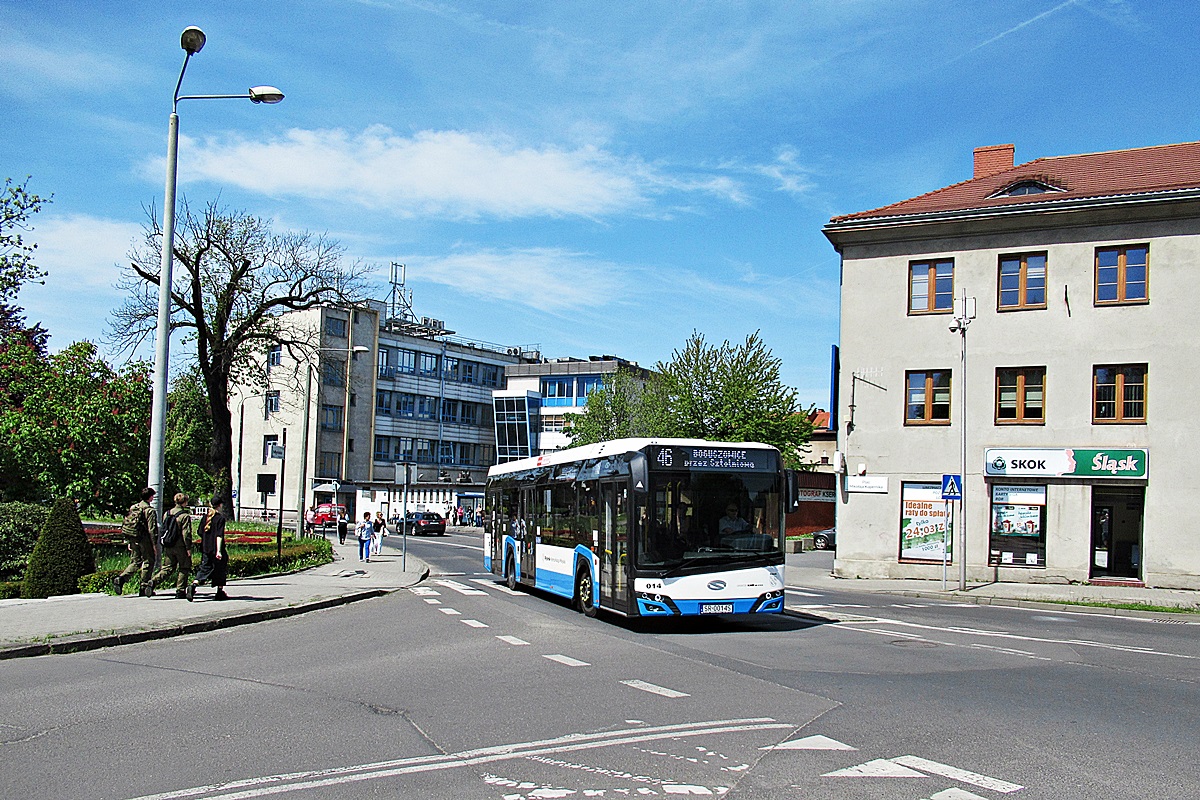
(147, 540)
(370, 533)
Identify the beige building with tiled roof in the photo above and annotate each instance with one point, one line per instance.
(1080, 372)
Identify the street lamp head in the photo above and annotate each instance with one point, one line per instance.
(361, 349)
(265, 94)
(192, 40)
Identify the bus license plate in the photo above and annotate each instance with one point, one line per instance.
(716, 608)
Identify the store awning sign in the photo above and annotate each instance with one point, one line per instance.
(1078, 462)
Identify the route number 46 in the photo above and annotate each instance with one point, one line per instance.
(665, 458)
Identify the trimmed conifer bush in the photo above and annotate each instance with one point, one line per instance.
(61, 556)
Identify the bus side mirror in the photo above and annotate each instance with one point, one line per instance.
(638, 474)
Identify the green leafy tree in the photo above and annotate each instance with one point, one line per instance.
(72, 426)
(19, 527)
(234, 280)
(624, 407)
(188, 444)
(17, 205)
(61, 556)
(722, 393)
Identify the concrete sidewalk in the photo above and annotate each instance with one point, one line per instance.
(812, 570)
(72, 623)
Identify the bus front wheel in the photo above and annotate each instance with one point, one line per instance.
(585, 592)
(510, 574)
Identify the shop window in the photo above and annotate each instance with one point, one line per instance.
(1018, 526)
(931, 287)
(1119, 393)
(1122, 274)
(923, 534)
(1022, 282)
(1021, 396)
(927, 398)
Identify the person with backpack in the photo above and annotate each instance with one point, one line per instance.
(214, 560)
(176, 541)
(139, 530)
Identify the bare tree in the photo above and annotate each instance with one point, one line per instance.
(234, 281)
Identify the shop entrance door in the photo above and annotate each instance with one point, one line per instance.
(1117, 532)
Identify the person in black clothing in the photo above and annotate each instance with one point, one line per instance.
(214, 560)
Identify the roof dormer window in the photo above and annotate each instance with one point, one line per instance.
(1026, 187)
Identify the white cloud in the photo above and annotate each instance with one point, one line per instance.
(452, 174)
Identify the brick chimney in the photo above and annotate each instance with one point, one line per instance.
(992, 159)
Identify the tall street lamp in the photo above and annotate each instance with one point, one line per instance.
(964, 312)
(192, 41)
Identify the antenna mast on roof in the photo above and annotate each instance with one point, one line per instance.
(400, 302)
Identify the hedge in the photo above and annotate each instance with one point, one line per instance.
(20, 524)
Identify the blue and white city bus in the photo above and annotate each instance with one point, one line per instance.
(643, 527)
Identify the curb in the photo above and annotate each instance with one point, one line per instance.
(96, 642)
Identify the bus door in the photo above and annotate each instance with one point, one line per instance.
(614, 547)
(528, 536)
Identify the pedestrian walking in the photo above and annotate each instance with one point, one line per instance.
(139, 530)
(379, 527)
(214, 560)
(176, 541)
(343, 524)
(310, 518)
(365, 532)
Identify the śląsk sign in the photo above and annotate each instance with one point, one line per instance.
(1078, 462)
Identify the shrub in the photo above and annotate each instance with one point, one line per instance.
(19, 526)
(10, 590)
(61, 556)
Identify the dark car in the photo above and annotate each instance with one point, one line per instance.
(425, 523)
(826, 539)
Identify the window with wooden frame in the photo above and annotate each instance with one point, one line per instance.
(1021, 396)
(931, 286)
(1122, 274)
(1119, 393)
(1022, 282)
(927, 397)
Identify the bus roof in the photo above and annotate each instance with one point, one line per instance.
(613, 447)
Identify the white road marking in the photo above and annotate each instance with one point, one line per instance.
(474, 623)
(424, 591)
(433, 601)
(849, 625)
(461, 588)
(316, 779)
(654, 689)
(876, 768)
(567, 660)
(811, 743)
(512, 640)
(960, 775)
(450, 611)
(955, 794)
(802, 592)
(499, 587)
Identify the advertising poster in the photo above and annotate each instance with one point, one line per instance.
(1018, 526)
(923, 523)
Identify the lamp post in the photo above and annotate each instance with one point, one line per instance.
(192, 41)
(964, 312)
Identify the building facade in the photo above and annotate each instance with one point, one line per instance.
(539, 398)
(379, 394)
(1029, 330)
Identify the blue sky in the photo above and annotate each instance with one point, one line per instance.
(593, 178)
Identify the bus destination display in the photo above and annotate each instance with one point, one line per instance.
(714, 458)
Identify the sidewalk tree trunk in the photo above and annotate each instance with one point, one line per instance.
(234, 278)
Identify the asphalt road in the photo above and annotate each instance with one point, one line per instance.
(459, 688)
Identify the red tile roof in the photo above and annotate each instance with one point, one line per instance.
(1120, 172)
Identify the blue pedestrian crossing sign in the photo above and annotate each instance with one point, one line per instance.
(952, 487)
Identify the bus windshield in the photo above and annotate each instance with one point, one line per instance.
(708, 519)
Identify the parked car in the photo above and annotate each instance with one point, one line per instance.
(425, 523)
(327, 514)
(826, 539)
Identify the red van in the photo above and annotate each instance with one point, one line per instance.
(327, 514)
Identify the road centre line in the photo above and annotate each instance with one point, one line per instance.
(474, 623)
(433, 601)
(313, 779)
(450, 611)
(567, 660)
(513, 640)
(654, 689)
